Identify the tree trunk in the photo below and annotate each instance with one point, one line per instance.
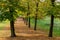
(51, 26)
(52, 21)
(24, 20)
(27, 18)
(12, 22)
(36, 16)
(28, 15)
(35, 22)
(29, 22)
(12, 29)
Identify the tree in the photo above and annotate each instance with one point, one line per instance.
(52, 21)
(28, 15)
(36, 15)
(8, 9)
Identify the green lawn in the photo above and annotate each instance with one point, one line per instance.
(3, 24)
(44, 24)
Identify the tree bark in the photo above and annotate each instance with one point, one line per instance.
(28, 15)
(35, 22)
(29, 22)
(36, 16)
(26, 21)
(51, 26)
(52, 21)
(12, 22)
(12, 29)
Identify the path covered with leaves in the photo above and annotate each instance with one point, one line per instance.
(24, 33)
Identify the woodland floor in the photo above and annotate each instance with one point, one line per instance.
(24, 33)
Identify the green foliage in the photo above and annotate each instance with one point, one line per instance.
(20, 7)
(54, 11)
(9, 9)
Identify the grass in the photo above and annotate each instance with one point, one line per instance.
(3, 24)
(44, 24)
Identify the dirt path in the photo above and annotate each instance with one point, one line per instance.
(23, 33)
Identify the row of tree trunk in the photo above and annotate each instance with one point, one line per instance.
(28, 21)
(52, 19)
